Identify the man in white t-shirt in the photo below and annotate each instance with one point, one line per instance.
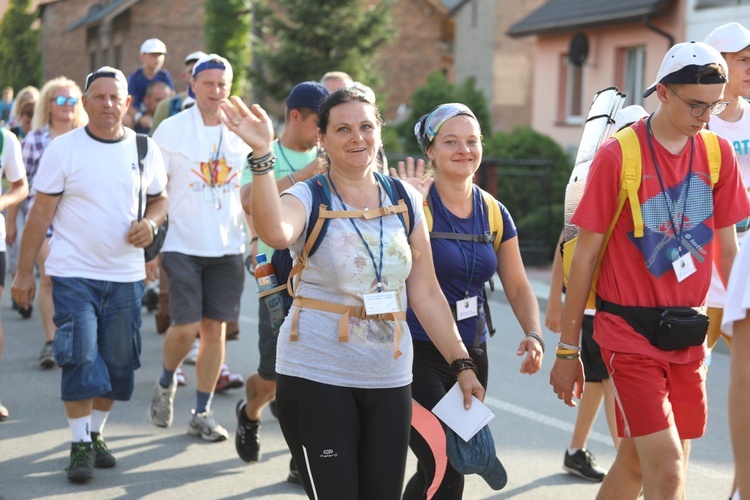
(203, 251)
(11, 164)
(733, 41)
(88, 186)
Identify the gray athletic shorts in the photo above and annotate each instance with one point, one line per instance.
(266, 344)
(203, 287)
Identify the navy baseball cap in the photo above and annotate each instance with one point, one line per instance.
(476, 457)
(307, 95)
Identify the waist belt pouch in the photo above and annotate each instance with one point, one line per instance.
(667, 329)
(681, 328)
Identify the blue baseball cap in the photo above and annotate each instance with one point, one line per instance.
(307, 95)
(476, 457)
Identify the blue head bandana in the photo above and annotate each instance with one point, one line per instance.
(427, 127)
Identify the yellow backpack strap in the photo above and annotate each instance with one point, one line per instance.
(631, 174)
(494, 218)
(427, 209)
(713, 151)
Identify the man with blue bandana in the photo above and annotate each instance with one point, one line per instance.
(202, 253)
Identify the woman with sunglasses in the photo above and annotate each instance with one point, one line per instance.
(58, 110)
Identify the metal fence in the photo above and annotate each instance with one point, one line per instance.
(525, 187)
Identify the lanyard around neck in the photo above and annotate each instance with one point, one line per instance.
(677, 232)
(468, 272)
(378, 267)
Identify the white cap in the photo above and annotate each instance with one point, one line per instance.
(677, 63)
(628, 115)
(213, 61)
(194, 56)
(732, 37)
(153, 46)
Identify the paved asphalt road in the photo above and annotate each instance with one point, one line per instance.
(531, 430)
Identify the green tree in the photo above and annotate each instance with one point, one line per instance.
(438, 91)
(302, 39)
(227, 30)
(533, 193)
(20, 48)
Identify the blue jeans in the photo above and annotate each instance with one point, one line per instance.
(98, 337)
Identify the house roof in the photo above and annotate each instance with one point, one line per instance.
(568, 15)
(98, 13)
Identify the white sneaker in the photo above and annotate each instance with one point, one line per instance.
(161, 410)
(204, 425)
(192, 356)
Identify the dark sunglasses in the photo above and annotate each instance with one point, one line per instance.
(61, 100)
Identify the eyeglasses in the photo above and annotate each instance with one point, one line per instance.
(61, 100)
(697, 110)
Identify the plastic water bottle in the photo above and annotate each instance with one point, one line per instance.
(265, 278)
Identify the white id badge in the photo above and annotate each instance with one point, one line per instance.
(380, 303)
(684, 266)
(466, 308)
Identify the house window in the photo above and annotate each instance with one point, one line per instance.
(703, 4)
(572, 78)
(634, 62)
(92, 61)
(118, 56)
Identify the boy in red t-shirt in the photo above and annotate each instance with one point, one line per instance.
(688, 224)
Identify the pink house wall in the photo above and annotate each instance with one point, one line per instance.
(602, 68)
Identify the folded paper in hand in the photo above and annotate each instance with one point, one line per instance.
(464, 422)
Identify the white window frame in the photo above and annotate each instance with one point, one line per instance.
(633, 74)
(571, 88)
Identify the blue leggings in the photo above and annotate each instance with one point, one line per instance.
(347, 443)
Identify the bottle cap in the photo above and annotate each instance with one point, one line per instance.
(261, 259)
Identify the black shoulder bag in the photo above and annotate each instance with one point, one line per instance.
(151, 251)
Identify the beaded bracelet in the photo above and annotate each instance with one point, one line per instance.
(461, 364)
(563, 345)
(536, 337)
(261, 165)
(567, 356)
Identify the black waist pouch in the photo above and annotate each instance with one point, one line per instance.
(667, 329)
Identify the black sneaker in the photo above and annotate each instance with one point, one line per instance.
(81, 468)
(150, 299)
(103, 459)
(293, 476)
(582, 464)
(247, 435)
(47, 355)
(25, 313)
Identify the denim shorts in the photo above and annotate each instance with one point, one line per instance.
(98, 338)
(203, 287)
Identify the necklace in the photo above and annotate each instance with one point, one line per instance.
(357, 205)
